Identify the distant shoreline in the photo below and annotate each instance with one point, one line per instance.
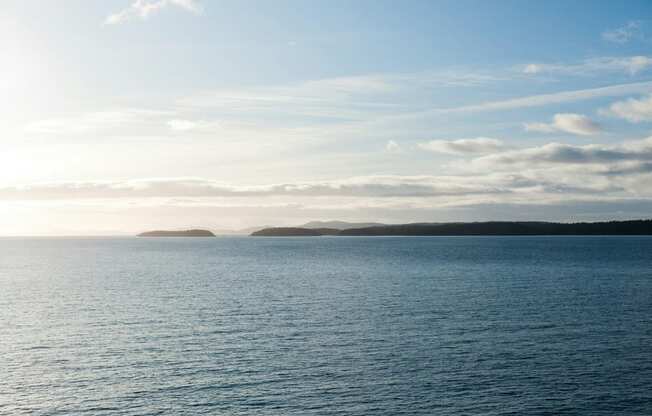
(488, 228)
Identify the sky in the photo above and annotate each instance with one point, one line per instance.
(127, 115)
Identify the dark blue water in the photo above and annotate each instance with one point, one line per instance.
(326, 326)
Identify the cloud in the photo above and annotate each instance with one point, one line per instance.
(631, 65)
(463, 146)
(633, 110)
(637, 64)
(511, 181)
(358, 187)
(546, 99)
(340, 99)
(540, 127)
(373, 111)
(143, 9)
(559, 153)
(361, 105)
(392, 146)
(557, 171)
(624, 34)
(567, 122)
(547, 174)
(533, 68)
(360, 96)
(92, 121)
(182, 125)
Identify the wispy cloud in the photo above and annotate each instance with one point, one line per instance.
(631, 65)
(463, 146)
(633, 110)
(623, 34)
(392, 96)
(351, 98)
(362, 102)
(342, 98)
(92, 121)
(143, 9)
(539, 100)
(569, 123)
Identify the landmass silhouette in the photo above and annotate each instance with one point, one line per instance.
(631, 227)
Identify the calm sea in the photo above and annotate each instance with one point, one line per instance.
(326, 326)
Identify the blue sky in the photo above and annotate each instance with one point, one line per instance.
(125, 115)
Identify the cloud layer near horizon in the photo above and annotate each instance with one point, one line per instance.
(542, 173)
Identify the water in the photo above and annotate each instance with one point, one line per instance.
(326, 326)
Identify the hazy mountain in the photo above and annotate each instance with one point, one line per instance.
(339, 225)
(242, 231)
(294, 232)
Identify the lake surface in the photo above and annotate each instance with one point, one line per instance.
(326, 326)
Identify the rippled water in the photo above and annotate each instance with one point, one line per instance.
(324, 326)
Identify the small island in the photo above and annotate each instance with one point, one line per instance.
(185, 233)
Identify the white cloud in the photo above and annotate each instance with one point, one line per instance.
(567, 122)
(363, 104)
(623, 34)
(182, 125)
(543, 174)
(351, 98)
(540, 127)
(528, 183)
(631, 65)
(143, 9)
(463, 146)
(386, 186)
(633, 110)
(637, 64)
(533, 68)
(392, 146)
(546, 99)
(559, 153)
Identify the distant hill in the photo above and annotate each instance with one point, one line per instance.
(294, 232)
(186, 233)
(242, 231)
(339, 225)
(633, 227)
